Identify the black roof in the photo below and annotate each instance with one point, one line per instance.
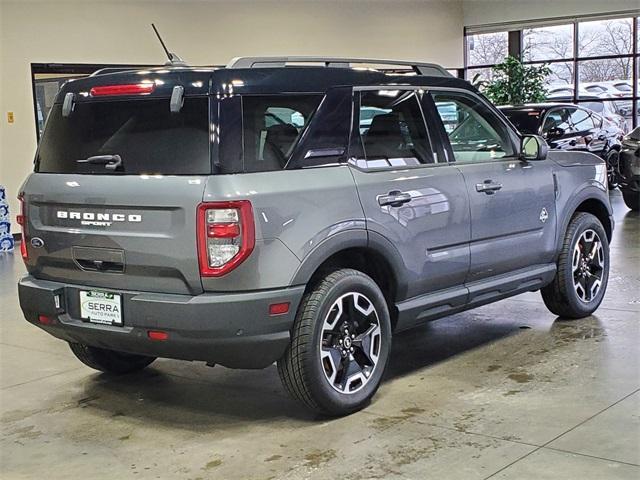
(225, 81)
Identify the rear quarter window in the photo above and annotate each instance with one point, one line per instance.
(144, 133)
(272, 126)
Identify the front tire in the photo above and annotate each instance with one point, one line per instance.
(109, 361)
(340, 344)
(613, 169)
(583, 269)
(631, 199)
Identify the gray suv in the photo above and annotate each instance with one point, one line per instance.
(297, 210)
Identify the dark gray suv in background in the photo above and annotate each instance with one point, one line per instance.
(297, 210)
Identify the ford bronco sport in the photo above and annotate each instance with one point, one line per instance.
(297, 210)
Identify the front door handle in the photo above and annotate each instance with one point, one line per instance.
(489, 187)
(395, 198)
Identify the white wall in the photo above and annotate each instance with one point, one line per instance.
(480, 12)
(202, 32)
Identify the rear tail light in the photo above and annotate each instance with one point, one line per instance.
(226, 236)
(21, 218)
(127, 89)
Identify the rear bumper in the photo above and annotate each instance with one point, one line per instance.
(234, 330)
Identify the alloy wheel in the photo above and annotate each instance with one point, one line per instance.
(350, 342)
(588, 265)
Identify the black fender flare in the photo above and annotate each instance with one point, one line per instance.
(354, 238)
(585, 192)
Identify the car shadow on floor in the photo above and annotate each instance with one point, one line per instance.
(440, 340)
(186, 395)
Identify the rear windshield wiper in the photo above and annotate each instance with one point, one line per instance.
(110, 162)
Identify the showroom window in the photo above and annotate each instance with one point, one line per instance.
(593, 60)
(483, 51)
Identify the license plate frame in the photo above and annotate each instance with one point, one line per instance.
(101, 307)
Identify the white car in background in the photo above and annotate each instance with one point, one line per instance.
(564, 91)
(613, 89)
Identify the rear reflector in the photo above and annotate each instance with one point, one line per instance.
(22, 221)
(224, 230)
(129, 89)
(157, 335)
(44, 320)
(278, 308)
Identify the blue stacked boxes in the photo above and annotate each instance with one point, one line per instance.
(6, 239)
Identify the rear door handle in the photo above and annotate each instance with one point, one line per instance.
(489, 187)
(394, 198)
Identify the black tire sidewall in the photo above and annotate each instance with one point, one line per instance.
(631, 199)
(582, 309)
(330, 399)
(616, 181)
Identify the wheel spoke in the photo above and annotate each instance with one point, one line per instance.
(331, 358)
(335, 314)
(352, 373)
(368, 343)
(592, 284)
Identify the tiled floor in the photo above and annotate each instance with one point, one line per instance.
(505, 392)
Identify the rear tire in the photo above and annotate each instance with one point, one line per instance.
(631, 199)
(583, 269)
(109, 361)
(340, 344)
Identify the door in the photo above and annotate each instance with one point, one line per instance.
(409, 193)
(512, 202)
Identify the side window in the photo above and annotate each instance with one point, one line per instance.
(581, 120)
(557, 120)
(475, 132)
(391, 130)
(597, 120)
(272, 125)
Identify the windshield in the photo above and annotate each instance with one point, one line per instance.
(143, 133)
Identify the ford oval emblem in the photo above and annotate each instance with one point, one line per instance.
(37, 242)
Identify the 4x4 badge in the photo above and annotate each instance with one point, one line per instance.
(544, 215)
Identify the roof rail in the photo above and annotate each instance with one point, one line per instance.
(104, 71)
(421, 68)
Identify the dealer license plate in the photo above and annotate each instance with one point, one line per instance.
(101, 307)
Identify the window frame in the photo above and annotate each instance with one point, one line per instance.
(514, 137)
(435, 140)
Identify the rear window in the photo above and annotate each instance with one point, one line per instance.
(595, 106)
(526, 121)
(144, 133)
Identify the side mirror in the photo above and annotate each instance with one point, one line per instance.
(533, 147)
